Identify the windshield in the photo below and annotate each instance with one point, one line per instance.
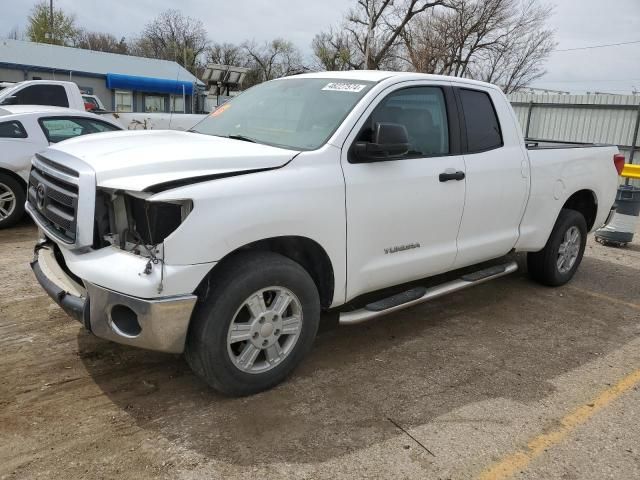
(298, 113)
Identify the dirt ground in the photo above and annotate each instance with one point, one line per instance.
(508, 378)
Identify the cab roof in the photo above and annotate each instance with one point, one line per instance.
(380, 75)
(21, 109)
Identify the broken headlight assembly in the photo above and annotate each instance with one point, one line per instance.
(133, 222)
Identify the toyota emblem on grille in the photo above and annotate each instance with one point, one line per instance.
(41, 196)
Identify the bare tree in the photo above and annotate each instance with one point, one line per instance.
(172, 36)
(227, 54)
(519, 57)
(500, 41)
(376, 26)
(274, 59)
(101, 42)
(334, 50)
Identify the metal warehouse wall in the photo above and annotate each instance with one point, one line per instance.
(597, 118)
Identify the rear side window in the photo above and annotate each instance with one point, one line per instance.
(54, 95)
(63, 128)
(481, 121)
(12, 130)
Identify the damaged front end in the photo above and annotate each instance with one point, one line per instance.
(133, 222)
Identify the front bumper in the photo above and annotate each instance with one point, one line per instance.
(158, 324)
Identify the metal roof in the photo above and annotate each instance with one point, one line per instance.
(57, 58)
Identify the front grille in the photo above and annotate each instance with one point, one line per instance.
(53, 193)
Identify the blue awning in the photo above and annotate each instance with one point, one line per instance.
(148, 84)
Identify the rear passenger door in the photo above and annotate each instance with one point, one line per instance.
(402, 217)
(497, 174)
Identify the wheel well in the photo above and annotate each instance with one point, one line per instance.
(308, 253)
(586, 203)
(15, 176)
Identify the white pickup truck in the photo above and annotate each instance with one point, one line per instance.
(337, 192)
(67, 94)
(52, 93)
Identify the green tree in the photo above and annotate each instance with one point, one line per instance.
(39, 28)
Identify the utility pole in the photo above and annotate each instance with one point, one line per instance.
(367, 48)
(50, 20)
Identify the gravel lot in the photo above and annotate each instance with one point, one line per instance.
(508, 378)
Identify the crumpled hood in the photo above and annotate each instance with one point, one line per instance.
(136, 160)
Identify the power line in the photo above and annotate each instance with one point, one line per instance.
(587, 80)
(597, 46)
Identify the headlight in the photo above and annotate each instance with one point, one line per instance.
(133, 219)
(155, 221)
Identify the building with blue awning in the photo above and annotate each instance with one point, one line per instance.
(124, 83)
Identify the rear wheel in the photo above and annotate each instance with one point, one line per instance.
(558, 261)
(12, 198)
(255, 325)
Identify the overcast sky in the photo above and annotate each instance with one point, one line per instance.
(578, 23)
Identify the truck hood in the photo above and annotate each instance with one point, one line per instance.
(138, 160)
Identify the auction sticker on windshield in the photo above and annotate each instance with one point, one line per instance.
(220, 110)
(344, 87)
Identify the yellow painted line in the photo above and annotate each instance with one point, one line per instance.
(519, 460)
(602, 296)
(631, 171)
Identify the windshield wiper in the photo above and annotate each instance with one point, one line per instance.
(244, 138)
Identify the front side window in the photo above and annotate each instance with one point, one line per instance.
(481, 121)
(63, 128)
(153, 103)
(295, 113)
(12, 129)
(422, 111)
(124, 101)
(54, 95)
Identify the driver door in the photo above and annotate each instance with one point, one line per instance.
(402, 217)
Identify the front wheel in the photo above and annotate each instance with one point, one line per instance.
(558, 261)
(12, 198)
(255, 325)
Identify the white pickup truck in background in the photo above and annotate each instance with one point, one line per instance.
(358, 193)
(67, 94)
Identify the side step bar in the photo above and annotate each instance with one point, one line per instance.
(418, 295)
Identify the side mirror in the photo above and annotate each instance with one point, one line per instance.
(11, 100)
(390, 141)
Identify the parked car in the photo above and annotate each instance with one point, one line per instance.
(26, 130)
(322, 192)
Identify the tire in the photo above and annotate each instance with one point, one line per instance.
(546, 266)
(12, 198)
(224, 360)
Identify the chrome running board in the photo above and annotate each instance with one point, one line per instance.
(418, 295)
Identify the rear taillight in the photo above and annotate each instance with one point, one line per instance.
(618, 161)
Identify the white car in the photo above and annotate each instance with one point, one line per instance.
(26, 130)
(335, 191)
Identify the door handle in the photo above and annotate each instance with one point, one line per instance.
(447, 176)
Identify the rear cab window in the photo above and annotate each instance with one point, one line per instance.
(480, 121)
(54, 95)
(12, 129)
